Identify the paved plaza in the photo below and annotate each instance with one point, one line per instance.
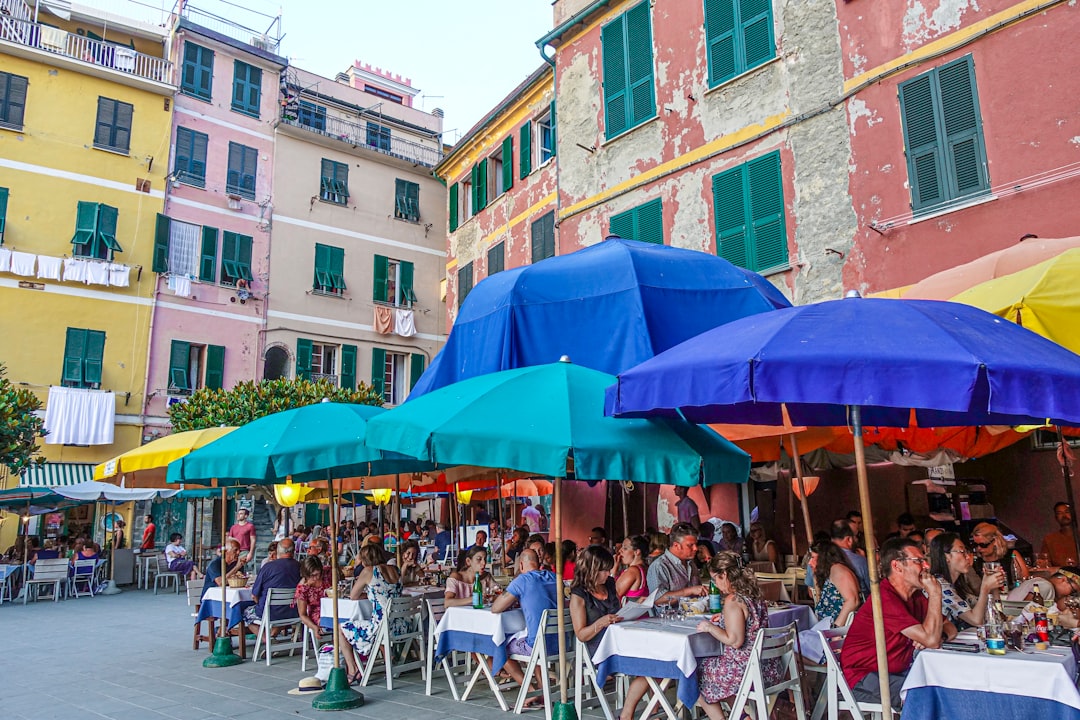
(129, 656)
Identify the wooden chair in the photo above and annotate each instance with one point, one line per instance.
(402, 628)
(194, 591)
(835, 694)
(540, 658)
(276, 598)
(48, 572)
(779, 643)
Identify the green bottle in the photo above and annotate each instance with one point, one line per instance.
(477, 593)
(714, 597)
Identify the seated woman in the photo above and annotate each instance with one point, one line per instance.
(309, 593)
(569, 558)
(81, 551)
(950, 561)
(515, 545)
(459, 585)
(762, 549)
(49, 552)
(382, 584)
(745, 613)
(838, 586)
(632, 582)
(594, 601)
(177, 560)
(702, 558)
(658, 545)
(410, 569)
(730, 539)
(989, 546)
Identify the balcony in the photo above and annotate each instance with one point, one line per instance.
(269, 39)
(332, 379)
(103, 59)
(356, 135)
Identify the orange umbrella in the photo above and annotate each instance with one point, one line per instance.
(527, 487)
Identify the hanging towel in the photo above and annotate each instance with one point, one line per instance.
(5, 260)
(118, 275)
(404, 322)
(53, 39)
(48, 268)
(180, 285)
(384, 319)
(80, 417)
(97, 273)
(23, 263)
(74, 270)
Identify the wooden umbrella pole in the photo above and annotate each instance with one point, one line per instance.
(872, 562)
(560, 600)
(1066, 473)
(802, 488)
(224, 569)
(502, 525)
(333, 567)
(397, 508)
(625, 510)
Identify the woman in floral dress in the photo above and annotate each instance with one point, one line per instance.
(383, 585)
(745, 612)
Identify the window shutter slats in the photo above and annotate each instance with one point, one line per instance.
(622, 225)
(337, 268)
(378, 371)
(416, 368)
(322, 268)
(496, 258)
(465, 283)
(184, 142)
(106, 111)
(74, 347)
(197, 167)
(161, 244)
(106, 227)
(3, 212)
(720, 39)
(924, 151)
(755, 17)
(481, 185)
(215, 367)
(639, 64)
(453, 209)
(348, 367)
(767, 212)
(382, 266)
(508, 162)
(12, 99)
(965, 155)
(93, 357)
(208, 255)
(179, 353)
(729, 209)
(303, 358)
(650, 222)
(405, 270)
(614, 59)
(86, 220)
(525, 151)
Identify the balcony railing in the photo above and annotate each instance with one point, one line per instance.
(315, 377)
(357, 135)
(269, 40)
(54, 40)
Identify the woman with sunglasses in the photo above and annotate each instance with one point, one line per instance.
(989, 546)
(950, 561)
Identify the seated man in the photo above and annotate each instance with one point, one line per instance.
(534, 589)
(672, 575)
(284, 572)
(443, 540)
(844, 538)
(232, 566)
(910, 617)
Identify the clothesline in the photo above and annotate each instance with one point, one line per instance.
(84, 270)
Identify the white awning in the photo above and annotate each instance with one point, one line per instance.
(56, 475)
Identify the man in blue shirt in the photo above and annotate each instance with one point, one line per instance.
(443, 539)
(231, 562)
(844, 538)
(284, 572)
(535, 590)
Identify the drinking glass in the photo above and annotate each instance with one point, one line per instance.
(1014, 635)
(991, 567)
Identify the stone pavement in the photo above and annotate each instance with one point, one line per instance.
(129, 656)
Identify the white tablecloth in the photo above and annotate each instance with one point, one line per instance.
(1047, 675)
(498, 627)
(232, 595)
(347, 609)
(424, 591)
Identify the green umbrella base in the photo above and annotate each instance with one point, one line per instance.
(563, 711)
(223, 655)
(337, 695)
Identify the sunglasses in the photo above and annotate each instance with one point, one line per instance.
(982, 545)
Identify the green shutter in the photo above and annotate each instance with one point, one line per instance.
(74, 348)
(215, 367)
(179, 353)
(622, 225)
(303, 359)
(756, 28)
(720, 40)
(924, 152)
(481, 187)
(3, 212)
(416, 368)
(229, 271)
(86, 221)
(767, 224)
(337, 268)
(106, 227)
(382, 269)
(454, 207)
(965, 155)
(161, 244)
(650, 222)
(198, 71)
(322, 279)
(616, 116)
(378, 371)
(543, 237)
(525, 152)
(508, 162)
(208, 256)
(185, 139)
(405, 271)
(554, 127)
(348, 367)
(247, 88)
(729, 209)
(93, 357)
(639, 63)
(475, 187)
(243, 256)
(496, 259)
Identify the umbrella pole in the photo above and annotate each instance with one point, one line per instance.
(110, 587)
(26, 546)
(397, 507)
(872, 562)
(802, 488)
(1066, 473)
(566, 711)
(625, 511)
(502, 531)
(223, 655)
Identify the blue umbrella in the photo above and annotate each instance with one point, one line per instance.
(883, 361)
(608, 306)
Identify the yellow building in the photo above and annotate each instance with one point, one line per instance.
(85, 118)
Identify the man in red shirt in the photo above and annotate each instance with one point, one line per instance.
(148, 534)
(911, 620)
(244, 532)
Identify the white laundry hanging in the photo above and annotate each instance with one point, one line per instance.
(118, 275)
(97, 273)
(23, 263)
(74, 416)
(48, 268)
(75, 270)
(5, 260)
(404, 322)
(180, 285)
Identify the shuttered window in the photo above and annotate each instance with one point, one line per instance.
(496, 258)
(3, 212)
(112, 130)
(189, 166)
(215, 367)
(312, 115)
(95, 231)
(378, 136)
(12, 100)
(329, 269)
(525, 152)
(406, 200)
(644, 223)
(247, 88)
(197, 75)
(507, 163)
(417, 363)
(243, 165)
(160, 263)
(303, 359)
(738, 37)
(748, 204)
(195, 366)
(629, 97)
(347, 379)
(479, 186)
(453, 209)
(543, 237)
(393, 281)
(235, 258)
(943, 136)
(84, 351)
(334, 183)
(208, 255)
(464, 283)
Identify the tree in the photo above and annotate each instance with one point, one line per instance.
(251, 400)
(20, 427)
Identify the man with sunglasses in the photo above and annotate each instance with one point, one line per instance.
(911, 619)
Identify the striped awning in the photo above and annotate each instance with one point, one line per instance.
(56, 474)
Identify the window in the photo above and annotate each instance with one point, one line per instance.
(464, 283)
(247, 88)
(455, 199)
(748, 201)
(243, 163)
(417, 362)
(235, 258)
(628, 71)
(12, 100)
(378, 136)
(479, 186)
(943, 137)
(3, 212)
(496, 180)
(738, 37)
(83, 352)
(324, 362)
(393, 281)
(329, 269)
(496, 259)
(543, 237)
(466, 210)
(406, 200)
(644, 223)
(197, 76)
(177, 247)
(113, 128)
(95, 231)
(334, 185)
(318, 361)
(192, 367)
(384, 94)
(189, 167)
(388, 375)
(545, 136)
(312, 116)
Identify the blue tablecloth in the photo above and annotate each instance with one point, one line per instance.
(932, 703)
(212, 609)
(687, 687)
(452, 640)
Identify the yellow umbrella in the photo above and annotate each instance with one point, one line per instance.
(1044, 298)
(145, 466)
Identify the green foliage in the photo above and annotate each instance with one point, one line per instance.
(251, 400)
(19, 426)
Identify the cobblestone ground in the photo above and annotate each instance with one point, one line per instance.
(129, 656)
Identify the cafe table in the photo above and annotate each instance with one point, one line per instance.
(236, 601)
(977, 686)
(482, 633)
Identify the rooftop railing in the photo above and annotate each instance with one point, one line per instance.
(269, 40)
(358, 135)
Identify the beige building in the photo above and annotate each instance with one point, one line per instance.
(359, 233)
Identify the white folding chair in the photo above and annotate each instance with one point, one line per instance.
(402, 627)
(835, 694)
(312, 640)
(83, 573)
(436, 607)
(276, 598)
(5, 583)
(585, 672)
(163, 575)
(549, 626)
(48, 572)
(771, 644)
